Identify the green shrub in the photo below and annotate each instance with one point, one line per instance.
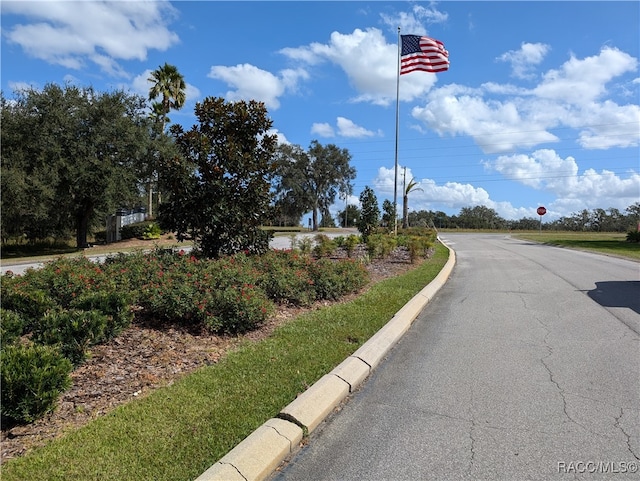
(293, 238)
(171, 297)
(633, 236)
(115, 306)
(32, 378)
(238, 309)
(31, 303)
(387, 244)
(11, 327)
(374, 243)
(72, 331)
(418, 246)
(324, 246)
(67, 278)
(350, 244)
(305, 245)
(335, 279)
(285, 278)
(135, 231)
(152, 231)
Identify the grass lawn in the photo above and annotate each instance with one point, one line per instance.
(611, 243)
(177, 432)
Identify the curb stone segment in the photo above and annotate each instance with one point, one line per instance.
(377, 347)
(352, 371)
(258, 455)
(316, 403)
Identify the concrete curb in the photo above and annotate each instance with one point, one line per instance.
(260, 453)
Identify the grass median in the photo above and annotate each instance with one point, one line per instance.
(177, 432)
(610, 243)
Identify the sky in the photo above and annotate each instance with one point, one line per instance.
(540, 105)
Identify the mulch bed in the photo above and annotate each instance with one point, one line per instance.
(148, 356)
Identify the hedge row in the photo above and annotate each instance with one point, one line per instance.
(51, 317)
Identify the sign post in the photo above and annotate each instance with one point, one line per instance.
(541, 211)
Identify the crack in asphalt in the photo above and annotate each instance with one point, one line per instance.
(626, 435)
(471, 429)
(557, 385)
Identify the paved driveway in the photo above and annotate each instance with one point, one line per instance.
(526, 366)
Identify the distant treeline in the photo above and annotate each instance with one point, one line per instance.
(481, 217)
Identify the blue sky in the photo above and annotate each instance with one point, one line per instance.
(540, 106)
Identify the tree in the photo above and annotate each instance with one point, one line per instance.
(292, 188)
(480, 217)
(169, 85)
(411, 187)
(78, 150)
(311, 180)
(352, 216)
(220, 187)
(369, 213)
(389, 214)
(327, 219)
(633, 215)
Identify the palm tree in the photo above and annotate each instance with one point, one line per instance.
(411, 186)
(168, 84)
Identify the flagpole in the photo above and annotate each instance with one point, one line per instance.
(395, 183)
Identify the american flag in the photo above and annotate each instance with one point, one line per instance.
(423, 53)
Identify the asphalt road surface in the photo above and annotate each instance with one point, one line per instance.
(526, 366)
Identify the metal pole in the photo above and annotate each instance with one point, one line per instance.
(395, 183)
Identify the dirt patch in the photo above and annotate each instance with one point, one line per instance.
(148, 356)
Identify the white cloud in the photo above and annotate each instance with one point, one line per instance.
(74, 33)
(546, 170)
(573, 191)
(541, 169)
(523, 60)
(347, 128)
(281, 139)
(605, 125)
(494, 125)
(452, 194)
(23, 86)
(580, 81)
(503, 118)
(252, 83)
(412, 22)
(370, 64)
(323, 130)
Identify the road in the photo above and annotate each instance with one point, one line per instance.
(526, 366)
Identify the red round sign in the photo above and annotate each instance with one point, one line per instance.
(541, 211)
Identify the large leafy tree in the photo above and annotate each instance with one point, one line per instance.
(349, 216)
(221, 184)
(167, 85)
(480, 217)
(72, 153)
(292, 189)
(310, 181)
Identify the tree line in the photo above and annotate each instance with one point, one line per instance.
(482, 217)
(70, 156)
